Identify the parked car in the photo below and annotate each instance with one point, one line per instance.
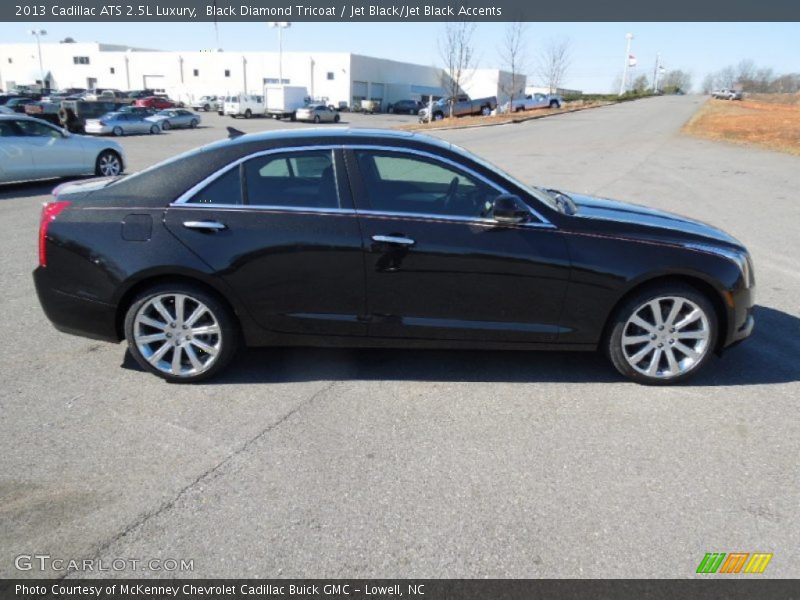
(34, 149)
(18, 104)
(206, 103)
(243, 105)
(138, 94)
(727, 94)
(415, 242)
(119, 123)
(411, 107)
(74, 113)
(370, 106)
(156, 102)
(4, 110)
(461, 106)
(533, 101)
(137, 110)
(107, 95)
(317, 113)
(45, 110)
(175, 118)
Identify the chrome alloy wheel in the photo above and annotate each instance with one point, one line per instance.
(177, 334)
(666, 337)
(109, 164)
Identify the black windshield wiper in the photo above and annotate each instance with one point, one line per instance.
(565, 203)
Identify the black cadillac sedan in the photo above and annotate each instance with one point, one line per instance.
(379, 239)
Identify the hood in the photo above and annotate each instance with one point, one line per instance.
(615, 211)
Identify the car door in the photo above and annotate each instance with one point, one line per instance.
(439, 267)
(281, 231)
(54, 154)
(16, 155)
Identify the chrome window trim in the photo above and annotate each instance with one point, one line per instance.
(183, 199)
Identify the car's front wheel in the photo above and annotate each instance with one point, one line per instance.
(663, 334)
(108, 164)
(154, 129)
(181, 332)
(117, 131)
(165, 125)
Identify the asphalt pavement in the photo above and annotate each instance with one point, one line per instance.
(397, 463)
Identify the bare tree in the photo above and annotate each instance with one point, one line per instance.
(677, 80)
(554, 61)
(513, 54)
(458, 54)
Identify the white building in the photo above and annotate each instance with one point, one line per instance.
(334, 76)
(483, 83)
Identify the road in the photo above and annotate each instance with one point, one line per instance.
(366, 463)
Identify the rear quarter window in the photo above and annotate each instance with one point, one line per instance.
(226, 189)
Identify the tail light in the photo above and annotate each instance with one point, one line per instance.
(49, 213)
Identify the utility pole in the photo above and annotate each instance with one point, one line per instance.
(280, 27)
(655, 72)
(623, 83)
(37, 33)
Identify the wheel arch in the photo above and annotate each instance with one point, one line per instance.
(151, 280)
(702, 285)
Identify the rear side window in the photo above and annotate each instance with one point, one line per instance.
(226, 189)
(292, 180)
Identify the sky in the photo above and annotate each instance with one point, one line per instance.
(597, 49)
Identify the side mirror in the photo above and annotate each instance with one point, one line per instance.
(508, 208)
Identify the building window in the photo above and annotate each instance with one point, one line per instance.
(113, 70)
(80, 60)
(275, 80)
(227, 72)
(196, 72)
(330, 75)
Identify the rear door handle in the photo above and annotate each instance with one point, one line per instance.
(207, 225)
(393, 239)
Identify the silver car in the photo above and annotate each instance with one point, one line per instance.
(121, 123)
(173, 118)
(318, 113)
(34, 149)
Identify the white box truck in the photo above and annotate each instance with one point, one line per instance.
(281, 101)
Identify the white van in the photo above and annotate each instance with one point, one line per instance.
(244, 105)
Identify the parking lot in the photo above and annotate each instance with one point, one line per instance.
(400, 463)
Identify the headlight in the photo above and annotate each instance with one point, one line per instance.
(740, 258)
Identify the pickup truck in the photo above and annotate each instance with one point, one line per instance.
(727, 94)
(461, 106)
(534, 101)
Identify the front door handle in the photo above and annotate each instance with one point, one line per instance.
(205, 225)
(393, 239)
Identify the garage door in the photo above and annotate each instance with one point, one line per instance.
(376, 92)
(359, 93)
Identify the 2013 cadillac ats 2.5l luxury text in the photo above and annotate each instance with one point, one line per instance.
(371, 238)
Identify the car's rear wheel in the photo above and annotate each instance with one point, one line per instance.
(117, 131)
(108, 164)
(181, 333)
(336, 118)
(154, 129)
(206, 107)
(554, 104)
(165, 125)
(248, 113)
(663, 334)
(486, 111)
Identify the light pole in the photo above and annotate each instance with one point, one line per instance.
(37, 33)
(280, 27)
(622, 85)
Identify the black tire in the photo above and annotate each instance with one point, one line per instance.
(248, 113)
(193, 124)
(228, 325)
(554, 104)
(316, 119)
(613, 341)
(336, 118)
(486, 111)
(117, 131)
(105, 160)
(438, 116)
(166, 126)
(206, 107)
(154, 129)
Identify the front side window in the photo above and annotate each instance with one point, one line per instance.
(404, 183)
(226, 189)
(292, 180)
(32, 128)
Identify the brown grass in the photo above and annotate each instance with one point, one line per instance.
(476, 121)
(768, 120)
